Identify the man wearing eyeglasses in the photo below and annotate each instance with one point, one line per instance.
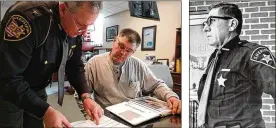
(117, 76)
(238, 72)
(38, 39)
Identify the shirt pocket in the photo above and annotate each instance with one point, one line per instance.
(133, 89)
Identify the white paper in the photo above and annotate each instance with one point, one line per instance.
(104, 122)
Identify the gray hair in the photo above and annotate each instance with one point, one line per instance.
(231, 10)
(95, 6)
(131, 35)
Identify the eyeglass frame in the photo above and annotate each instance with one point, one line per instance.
(74, 21)
(123, 47)
(209, 19)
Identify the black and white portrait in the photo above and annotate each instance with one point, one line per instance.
(232, 64)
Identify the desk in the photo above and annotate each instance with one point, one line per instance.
(154, 123)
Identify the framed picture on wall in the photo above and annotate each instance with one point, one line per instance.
(148, 38)
(163, 61)
(111, 32)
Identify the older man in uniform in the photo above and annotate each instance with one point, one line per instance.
(38, 39)
(238, 72)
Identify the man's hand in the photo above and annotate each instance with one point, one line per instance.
(54, 119)
(174, 105)
(93, 110)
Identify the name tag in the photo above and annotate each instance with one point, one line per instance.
(225, 70)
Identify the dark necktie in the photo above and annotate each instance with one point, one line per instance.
(61, 72)
(205, 93)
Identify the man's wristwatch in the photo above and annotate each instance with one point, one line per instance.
(85, 97)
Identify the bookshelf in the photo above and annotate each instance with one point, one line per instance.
(176, 74)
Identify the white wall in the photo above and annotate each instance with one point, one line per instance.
(170, 19)
(3, 11)
(97, 34)
(4, 7)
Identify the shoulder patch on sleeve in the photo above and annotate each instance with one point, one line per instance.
(17, 29)
(263, 55)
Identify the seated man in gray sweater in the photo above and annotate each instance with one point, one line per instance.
(117, 76)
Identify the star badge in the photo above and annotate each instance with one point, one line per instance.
(221, 81)
(266, 58)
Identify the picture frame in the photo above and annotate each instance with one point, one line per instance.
(148, 38)
(163, 61)
(111, 32)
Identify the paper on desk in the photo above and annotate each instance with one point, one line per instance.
(104, 122)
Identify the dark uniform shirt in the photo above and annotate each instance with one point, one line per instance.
(244, 71)
(31, 51)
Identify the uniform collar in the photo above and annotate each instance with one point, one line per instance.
(231, 44)
(56, 18)
(228, 47)
(56, 15)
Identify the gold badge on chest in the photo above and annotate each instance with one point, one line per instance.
(70, 54)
